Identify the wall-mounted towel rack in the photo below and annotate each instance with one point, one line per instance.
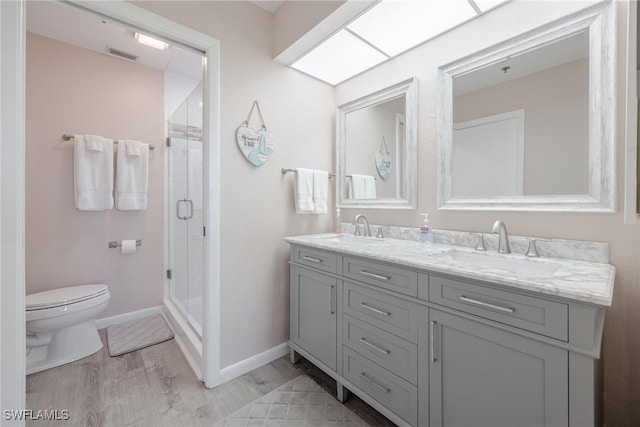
(68, 137)
(286, 171)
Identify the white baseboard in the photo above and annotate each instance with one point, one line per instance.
(125, 317)
(244, 366)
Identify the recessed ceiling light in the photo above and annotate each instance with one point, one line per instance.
(150, 41)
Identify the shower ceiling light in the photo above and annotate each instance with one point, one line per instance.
(150, 41)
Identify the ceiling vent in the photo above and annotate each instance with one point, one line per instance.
(122, 54)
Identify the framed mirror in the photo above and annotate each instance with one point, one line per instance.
(529, 124)
(377, 149)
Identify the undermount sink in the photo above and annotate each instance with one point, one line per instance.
(350, 238)
(506, 263)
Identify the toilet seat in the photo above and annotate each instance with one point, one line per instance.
(63, 296)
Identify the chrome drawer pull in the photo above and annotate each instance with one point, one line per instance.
(375, 384)
(375, 310)
(486, 304)
(331, 301)
(374, 275)
(308, 258)
(432, 341)
(375, 347)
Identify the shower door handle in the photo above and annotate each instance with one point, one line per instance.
(190, 202)
(183, 218)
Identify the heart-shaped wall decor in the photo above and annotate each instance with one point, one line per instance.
(383, 165)
(255, 145)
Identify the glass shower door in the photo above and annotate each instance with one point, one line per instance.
(185, 213)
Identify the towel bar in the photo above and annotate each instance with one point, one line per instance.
(286, 171)
(68, 137)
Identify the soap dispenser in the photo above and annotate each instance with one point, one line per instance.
(426, 235)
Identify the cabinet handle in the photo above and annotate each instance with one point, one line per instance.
(308, 258)
(331, 299)
(375, 347)
(374, 275)
(432, 341)
(375, 384)
(375, 310)
(486, 304)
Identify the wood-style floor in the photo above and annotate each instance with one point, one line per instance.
(155, 386)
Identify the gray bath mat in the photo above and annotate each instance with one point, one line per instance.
(300, 402)
(137, 334)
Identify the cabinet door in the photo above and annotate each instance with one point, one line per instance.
(484, 376)
(314, 314)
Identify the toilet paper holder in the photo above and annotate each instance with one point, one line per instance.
(117, 244)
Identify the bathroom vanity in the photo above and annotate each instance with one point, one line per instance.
(439, 335)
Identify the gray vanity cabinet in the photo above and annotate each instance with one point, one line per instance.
(433, 350)
(314, 317)
(482, 376)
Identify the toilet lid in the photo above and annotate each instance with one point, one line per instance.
(64, 296)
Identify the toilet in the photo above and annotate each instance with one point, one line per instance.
(61, 325)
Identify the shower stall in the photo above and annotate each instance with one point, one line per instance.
(184, 248)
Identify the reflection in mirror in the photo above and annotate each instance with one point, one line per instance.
(383, 158)
(377, 149)
(366, 128)
(526, 121)
(529, 124)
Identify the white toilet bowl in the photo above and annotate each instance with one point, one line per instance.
(61, 325)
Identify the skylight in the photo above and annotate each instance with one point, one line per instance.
(389, 28)
(338, 58)
(395, 26)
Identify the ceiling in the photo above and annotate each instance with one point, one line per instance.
(77, 27)
(527, 63)
(268, 5)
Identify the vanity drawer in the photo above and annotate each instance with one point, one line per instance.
(390, 390)
(387, 312)
(537, 315)
(392, 353)
(318, 259)
(388, 277)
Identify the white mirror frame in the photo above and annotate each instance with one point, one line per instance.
(408, 88)
(600, 22)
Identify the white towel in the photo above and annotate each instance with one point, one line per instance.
(369, 187)
(303, 191)
(133, 147)
(93, 173)
(362, 186)
(94, 142)
(132, 177)
(320, 191)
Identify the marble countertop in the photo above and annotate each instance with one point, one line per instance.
(589, 282)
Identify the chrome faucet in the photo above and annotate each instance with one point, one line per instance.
(367, 231)
(503, 237)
